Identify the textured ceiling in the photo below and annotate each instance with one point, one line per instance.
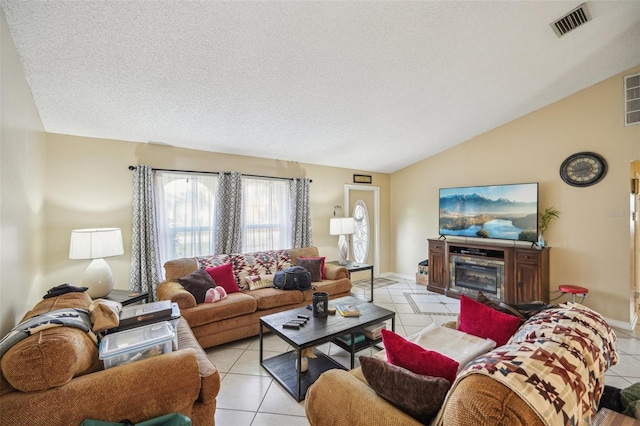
(374, 86)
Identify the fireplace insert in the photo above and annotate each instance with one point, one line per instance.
(470, 275)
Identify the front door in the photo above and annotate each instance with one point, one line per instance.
(635, 229)
(362, 203)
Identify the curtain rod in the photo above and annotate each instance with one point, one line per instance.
(213, 173)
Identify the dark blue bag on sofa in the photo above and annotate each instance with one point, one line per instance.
(292, 278)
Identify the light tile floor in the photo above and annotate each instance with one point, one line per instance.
(250, 397)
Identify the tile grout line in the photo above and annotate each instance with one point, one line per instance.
(418, 311)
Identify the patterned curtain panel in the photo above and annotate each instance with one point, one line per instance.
(228, 213)
(302, 235)
(145, 259)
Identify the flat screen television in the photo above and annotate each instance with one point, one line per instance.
(506, 212)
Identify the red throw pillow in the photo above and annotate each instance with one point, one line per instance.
(416, 359)
(482, 321)
(321, 258)
(223, 276)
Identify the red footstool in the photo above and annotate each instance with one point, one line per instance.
(573, 290)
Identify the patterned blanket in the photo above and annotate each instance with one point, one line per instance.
(555, 362)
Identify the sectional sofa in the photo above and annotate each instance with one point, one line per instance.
(55, 377)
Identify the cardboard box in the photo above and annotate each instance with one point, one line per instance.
(422, 279)
(136, 344)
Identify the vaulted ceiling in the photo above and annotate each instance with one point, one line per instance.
(373, 86)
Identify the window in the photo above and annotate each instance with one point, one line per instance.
(266, 214)
(185, 208)
(185, 213)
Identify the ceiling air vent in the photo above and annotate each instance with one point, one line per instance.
(572, 20)
(632, 99)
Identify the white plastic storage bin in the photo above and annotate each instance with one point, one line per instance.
(136, 344)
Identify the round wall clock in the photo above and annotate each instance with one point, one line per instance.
(583, 169)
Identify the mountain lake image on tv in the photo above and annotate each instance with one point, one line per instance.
(507, 212)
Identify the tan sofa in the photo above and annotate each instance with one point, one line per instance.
(238, 316)
(341, 398)
(64, 382)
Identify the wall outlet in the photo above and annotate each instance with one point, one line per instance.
(337, 207)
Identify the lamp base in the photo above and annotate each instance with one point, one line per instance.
(343, 250)
(98, 278)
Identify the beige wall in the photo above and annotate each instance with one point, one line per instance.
(21, 180)
(590, 241)
(89, 185)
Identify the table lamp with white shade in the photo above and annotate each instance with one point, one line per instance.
(96, 244)
(342, 226)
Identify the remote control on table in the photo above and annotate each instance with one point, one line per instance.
(291, 325)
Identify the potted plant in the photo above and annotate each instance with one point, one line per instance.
(546, 217)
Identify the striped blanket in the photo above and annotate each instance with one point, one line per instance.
(68, 317)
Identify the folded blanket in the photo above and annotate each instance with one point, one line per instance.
(105, 314)
(455, 344)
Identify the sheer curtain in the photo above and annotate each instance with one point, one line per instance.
(145, 257)
(186, 213)
(265, 214)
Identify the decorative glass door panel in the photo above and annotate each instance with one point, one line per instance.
(361, 237)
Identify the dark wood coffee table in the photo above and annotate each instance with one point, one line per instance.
(316, 332)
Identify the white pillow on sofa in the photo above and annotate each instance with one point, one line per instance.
(455, 344)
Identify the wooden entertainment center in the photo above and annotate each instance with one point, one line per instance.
(525, 271)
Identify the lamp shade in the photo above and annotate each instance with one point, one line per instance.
(95, 243)
(342, 226)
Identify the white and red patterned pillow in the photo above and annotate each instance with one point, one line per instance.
(256, 282)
